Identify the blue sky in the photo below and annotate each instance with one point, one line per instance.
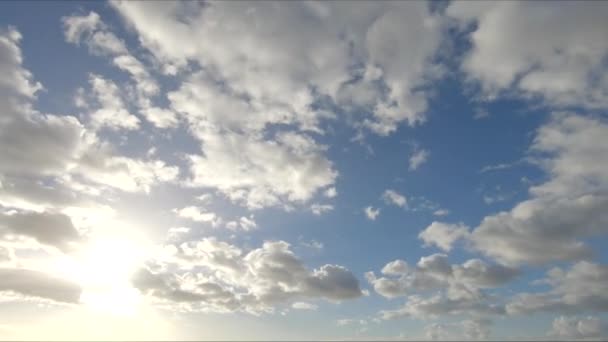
(303, 170)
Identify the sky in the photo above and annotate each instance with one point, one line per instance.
(300, 170)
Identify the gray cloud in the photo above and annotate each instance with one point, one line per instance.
(38, 284)
(563, 211)
(435, 272)
(554, 51)
(52, 229)
(579, 328)
(579, 289)
(216, 276)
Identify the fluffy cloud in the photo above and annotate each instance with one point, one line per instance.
(438, 305)
(90, 30)
(554, 51)
(35, 145)
(37, 284)
(435, 272)
(563, 211)
(197, 214)
(578, 328)
(471, 329)
(582, 288)
(112, 112)
(443, 235)
(307, 51)
(212, 275)
(252, 124)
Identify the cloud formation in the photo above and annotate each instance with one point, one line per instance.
(212, 275)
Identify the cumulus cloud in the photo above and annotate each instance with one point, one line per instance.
(37, 284)
(579, 289)
(435, 272)
(35, 145)
(565, 209)
(97, 36)
(578, 328)
(197, 214)
(216, 276)
(435, 306)
(555, 51)
(310, 51)
(393, 197)
(561, 212)
(262, 119)
(443, 235)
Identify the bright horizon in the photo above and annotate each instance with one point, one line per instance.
(301, 170)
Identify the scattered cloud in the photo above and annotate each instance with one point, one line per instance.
(371, 213)
(443, 235)
(393, 197)
(31, 283)
(419, 157)
(217, 276)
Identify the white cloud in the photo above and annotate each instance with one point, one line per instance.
(418, 158)
(443, 235)
(441, 212)
(371, 213)
(331, 192)
(96, 35)
(435, 272)
(198, 215)
(304, 306)
(581, 288)
(212, 275)
(112, 112)
(393, 197)
(310, 51)
(554, 51)
(314, 244)
(562, 211)
(578, 328)
(320, 209)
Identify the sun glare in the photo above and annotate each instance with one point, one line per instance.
(103, 268)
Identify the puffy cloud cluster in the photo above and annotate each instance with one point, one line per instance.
(578, 328)
(254, 104)
(561, 213)
(211, 275)
(460, 286)
(554, 50)
(579, 289)
(443, 235)
(472, 329)
(97, 36)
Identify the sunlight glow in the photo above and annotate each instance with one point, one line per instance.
(103, 268)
